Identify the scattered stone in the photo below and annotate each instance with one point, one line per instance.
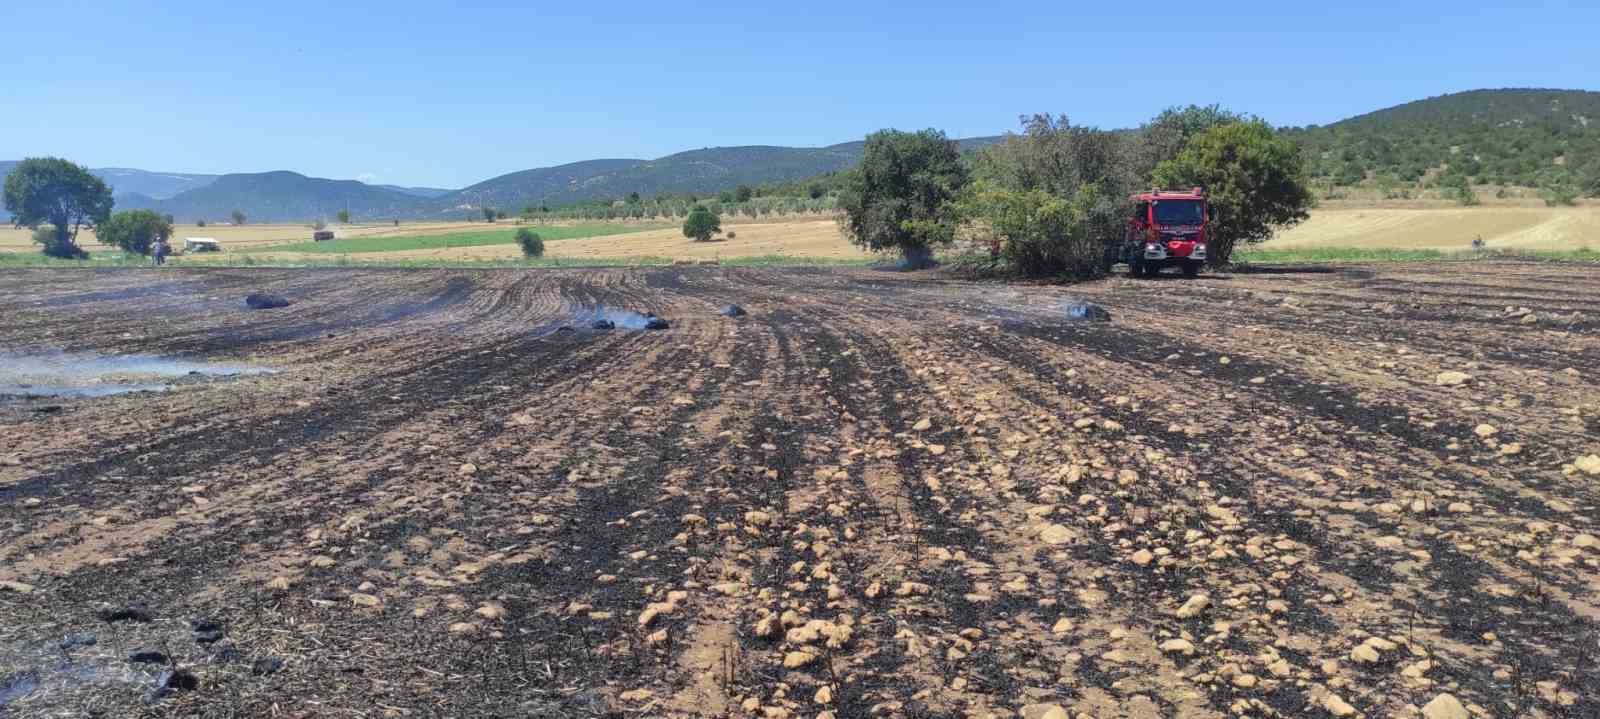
(907, 589)
(1178, 646)
(1194, 606)
(636, 695)
(147, 656)
(732, 311)
(1485, 431)
(1337, 706)
(824, 695)
(463, 628)
(257, 301)
(922, 424)
(1143, 557)
(795, 660)
(17, 587)
(1589, 464)
(1044, 711)
(467, 470)
(1459, 508)
(265, 666)
(1586, 541)
(1055, 535)
(1445, 706)
(1062, 626)
(1452, 379)
(491, 611)
(365, 600)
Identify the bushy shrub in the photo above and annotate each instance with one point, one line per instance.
(532, 245)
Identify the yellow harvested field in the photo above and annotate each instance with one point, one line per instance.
(810, 237)
(1447, 228)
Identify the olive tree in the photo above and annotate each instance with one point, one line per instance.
(902, 196)
(66, 196)
(135, 231)
(1254, 179)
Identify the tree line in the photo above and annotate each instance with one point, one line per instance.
(1050, 199)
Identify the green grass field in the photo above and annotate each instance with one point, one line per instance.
(499, 236)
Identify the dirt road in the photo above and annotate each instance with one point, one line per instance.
(1292, 493)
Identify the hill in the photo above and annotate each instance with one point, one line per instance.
(1504, 137)
(284, 197)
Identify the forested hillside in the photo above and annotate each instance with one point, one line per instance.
(1488, 137)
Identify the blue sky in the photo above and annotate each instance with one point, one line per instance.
(447, 94)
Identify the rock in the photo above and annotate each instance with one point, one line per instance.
(824, 695)
(1586, 541)
(17, 587)
(636, 695)
(1589, 464)
(1194, 606)
(1452, 379)
(11, 460)
(146, 656)
(1143, 557)
(732, 311)
(907, 589)
(1055, 535)
(1337, 706)
(1088, 311)
(1459, 508)
(922, 424)
(1062, 626)
(1178, 646)
(257, 301)
(467, 470)
(127, 613)
(1044, 711)
(1445, 706)
(1485, 431)
(463, 628)
(279, 583)
(265, 666)
(795, 660)
(491, 611)
(1245, 681)
(365, 600)
(758, 518)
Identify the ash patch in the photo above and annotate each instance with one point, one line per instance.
(89, 375)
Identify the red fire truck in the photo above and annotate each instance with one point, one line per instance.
(1167, 229)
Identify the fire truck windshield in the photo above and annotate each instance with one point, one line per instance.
(1178, 212)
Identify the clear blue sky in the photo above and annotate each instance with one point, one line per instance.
(447, 94)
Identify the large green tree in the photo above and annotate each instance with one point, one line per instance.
(135, 231)
(52, 191)
(1254, 179)
(701, 224)
(902, 196)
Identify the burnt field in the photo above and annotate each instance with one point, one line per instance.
(1358, 492)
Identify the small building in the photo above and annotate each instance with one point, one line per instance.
(201, 244)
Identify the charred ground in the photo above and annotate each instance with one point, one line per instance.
(926, 497)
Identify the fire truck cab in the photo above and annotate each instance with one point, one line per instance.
(1166, 229)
